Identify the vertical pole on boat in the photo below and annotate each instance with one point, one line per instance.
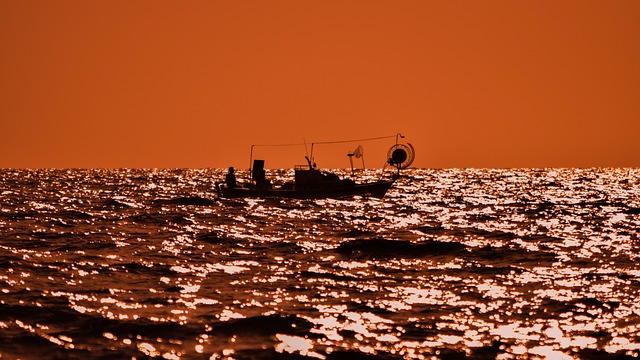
(306, 156)
(350, 155)
(358, 153)
(251, 163)
(402, 137)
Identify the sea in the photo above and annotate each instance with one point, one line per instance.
(450, 264)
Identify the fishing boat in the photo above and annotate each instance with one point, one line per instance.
(309, 182)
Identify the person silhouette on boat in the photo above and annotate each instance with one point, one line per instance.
(230, 178)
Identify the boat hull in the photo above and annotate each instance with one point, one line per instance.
(375, 189)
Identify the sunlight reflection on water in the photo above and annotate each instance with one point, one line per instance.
(480, 263)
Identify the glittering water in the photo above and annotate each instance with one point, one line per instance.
(452, 263)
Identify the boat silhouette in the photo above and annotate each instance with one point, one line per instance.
(309, 182)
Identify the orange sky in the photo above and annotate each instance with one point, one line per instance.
(195, 83)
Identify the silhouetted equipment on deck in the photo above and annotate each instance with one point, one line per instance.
(258, 174)
(358, 153)
(257, 171)
(401, 155)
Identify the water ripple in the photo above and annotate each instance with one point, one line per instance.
(481, 263)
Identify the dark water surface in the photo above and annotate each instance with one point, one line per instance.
(451, 264)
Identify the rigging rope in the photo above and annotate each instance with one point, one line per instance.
(298, 144)
(347, 141)
(310, 158)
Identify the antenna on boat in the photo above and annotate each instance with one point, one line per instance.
(310, 159)
(304, 141)
(307, 153)
(251, 163)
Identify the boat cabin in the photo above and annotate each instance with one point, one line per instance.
(306, 177)
(312, 179)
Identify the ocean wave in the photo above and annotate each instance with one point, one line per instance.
(513, 256)
(186, 201)
(378, 248)
(264, 326)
